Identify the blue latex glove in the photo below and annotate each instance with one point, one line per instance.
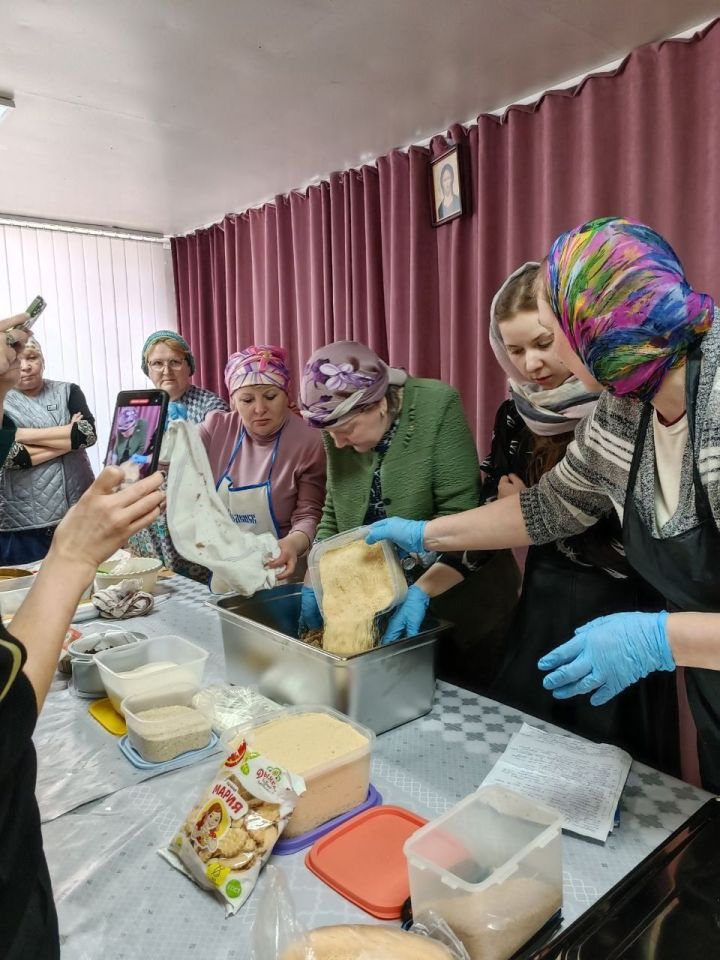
(177, 411)
(407, 534)
(607, 655)
(139, 458)
(408, 618)
(310, 616)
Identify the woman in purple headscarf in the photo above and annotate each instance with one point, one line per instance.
(627, 321)
(269, 466)
(400, 445)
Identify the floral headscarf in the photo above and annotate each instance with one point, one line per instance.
(622, 299)
(256, 367)
(342, 378)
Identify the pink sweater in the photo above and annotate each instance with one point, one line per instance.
(298, 479)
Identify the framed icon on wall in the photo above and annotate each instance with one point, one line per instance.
(447, 187)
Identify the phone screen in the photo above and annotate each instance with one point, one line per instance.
(137, 431)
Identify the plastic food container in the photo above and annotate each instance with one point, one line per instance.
(144, 569)
(185, 663)
(491, 867)
(85, 674)
(159, 740)
(397, 577)
(334, 785)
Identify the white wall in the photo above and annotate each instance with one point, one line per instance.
(105, 294)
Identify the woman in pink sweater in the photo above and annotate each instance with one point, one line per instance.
(269, 465)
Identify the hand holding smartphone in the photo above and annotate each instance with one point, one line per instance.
(136, 434)
(33, 312)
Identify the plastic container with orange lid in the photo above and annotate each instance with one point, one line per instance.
(363, 860)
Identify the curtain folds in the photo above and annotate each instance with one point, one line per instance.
(356, 256)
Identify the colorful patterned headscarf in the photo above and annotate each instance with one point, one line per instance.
(182, 345)
(341, 379)
(256, 367)
(621, 297)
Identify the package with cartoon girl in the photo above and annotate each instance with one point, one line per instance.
(228, 836)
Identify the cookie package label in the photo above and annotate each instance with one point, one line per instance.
(235, 804)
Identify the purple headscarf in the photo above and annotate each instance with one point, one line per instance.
(341, 379)
(257, 367)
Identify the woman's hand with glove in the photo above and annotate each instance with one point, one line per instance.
(407, 534)
(408, 618)
(607, 655)
(310, 616)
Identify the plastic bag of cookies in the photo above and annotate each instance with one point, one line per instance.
(227, 837)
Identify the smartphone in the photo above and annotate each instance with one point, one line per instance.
(137, 430)
(34, 311)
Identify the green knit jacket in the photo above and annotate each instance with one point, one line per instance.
(430, 470)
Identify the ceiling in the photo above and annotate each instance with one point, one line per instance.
(163, 115)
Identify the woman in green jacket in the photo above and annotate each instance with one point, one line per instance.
(401, 446)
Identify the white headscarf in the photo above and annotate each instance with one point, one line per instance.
(547, 413)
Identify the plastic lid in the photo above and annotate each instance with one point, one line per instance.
(290, 845)
(363, 860)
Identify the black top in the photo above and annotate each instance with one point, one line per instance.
(21, 853)
(82, 434)
(512, 451)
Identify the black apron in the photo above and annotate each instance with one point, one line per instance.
(685, 569)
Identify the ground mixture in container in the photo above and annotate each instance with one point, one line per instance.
(304, 741)
(495, 922)
(166, 732)
(357, 585)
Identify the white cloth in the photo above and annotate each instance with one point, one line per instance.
(200, 525)
(670, 445)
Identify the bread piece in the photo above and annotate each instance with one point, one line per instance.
(365, 942)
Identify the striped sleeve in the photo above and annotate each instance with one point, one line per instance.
(574, 494)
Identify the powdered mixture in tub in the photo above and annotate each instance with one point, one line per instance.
(356, 587)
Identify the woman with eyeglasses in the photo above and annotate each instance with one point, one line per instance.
(168, 361)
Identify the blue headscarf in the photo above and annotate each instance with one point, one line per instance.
(167, 335)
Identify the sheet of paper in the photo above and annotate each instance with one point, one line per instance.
(580, 779)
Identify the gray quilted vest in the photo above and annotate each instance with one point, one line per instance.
(42, 495)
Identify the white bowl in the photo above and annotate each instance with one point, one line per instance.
(144, 569)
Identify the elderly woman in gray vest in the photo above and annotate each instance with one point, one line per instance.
(47, 469)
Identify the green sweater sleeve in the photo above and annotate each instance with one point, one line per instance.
(456, 468)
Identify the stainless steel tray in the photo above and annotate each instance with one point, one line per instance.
(381, 688)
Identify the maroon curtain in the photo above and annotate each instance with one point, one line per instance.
(356, 257)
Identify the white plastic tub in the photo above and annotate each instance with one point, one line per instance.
(152, 738)
(397, 577)
(334, 785)
(186, 664)
(492, 868)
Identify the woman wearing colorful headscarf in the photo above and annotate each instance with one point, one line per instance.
(630, 323)
(400, 445)
(567, 582)
(168, 361)
(269, 466)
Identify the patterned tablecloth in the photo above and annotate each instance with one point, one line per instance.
(117, 899)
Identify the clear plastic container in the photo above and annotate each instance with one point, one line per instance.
(185, 664)
(159, 740)
(333, 786)
(491, 867)
(399, 584)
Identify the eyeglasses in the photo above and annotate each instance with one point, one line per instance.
(157, 366)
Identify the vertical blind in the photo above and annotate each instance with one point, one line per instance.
(104, 295)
